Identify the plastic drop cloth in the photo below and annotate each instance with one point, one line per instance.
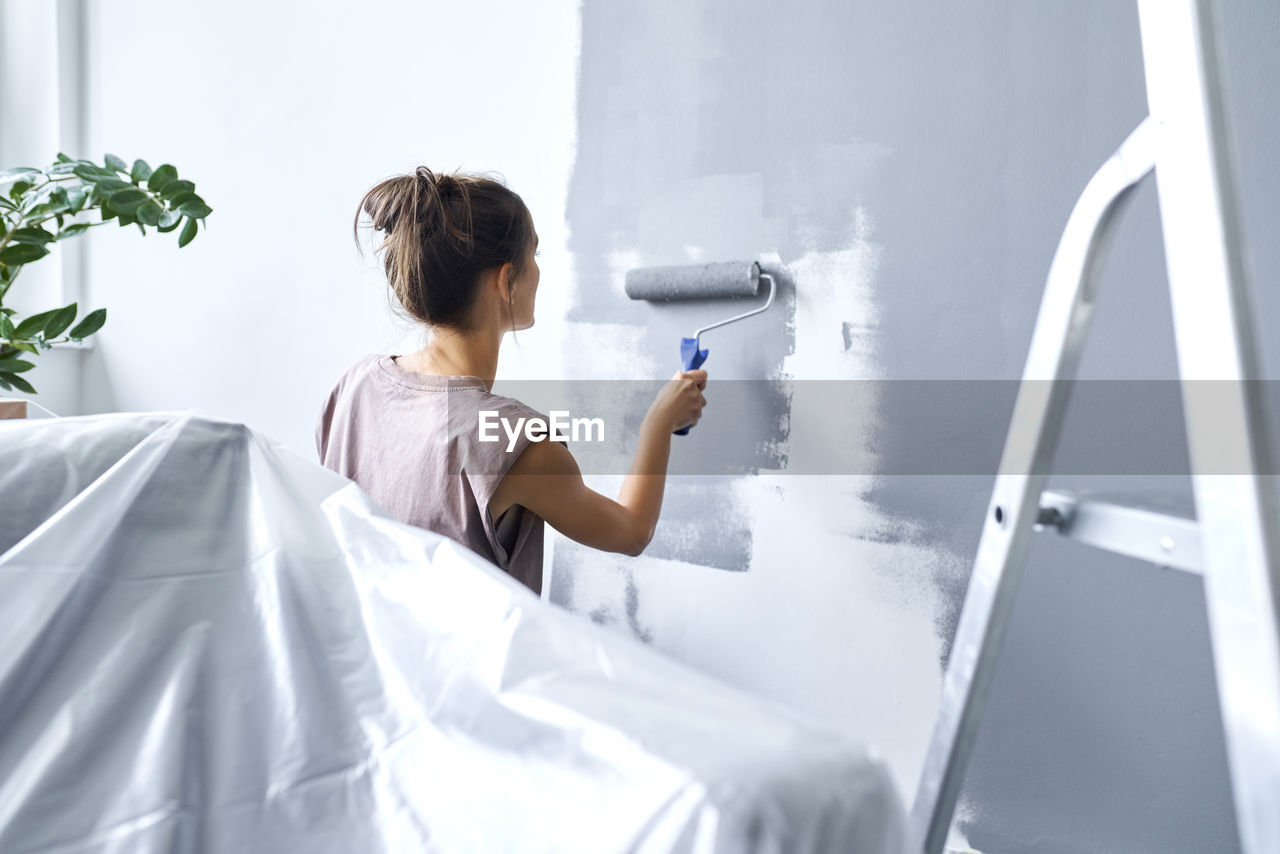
(211, 644)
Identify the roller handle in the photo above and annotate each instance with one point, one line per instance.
(692, 358)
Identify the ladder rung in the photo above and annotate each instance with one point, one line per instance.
(1162, 538)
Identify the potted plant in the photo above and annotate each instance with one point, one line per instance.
(39, 207)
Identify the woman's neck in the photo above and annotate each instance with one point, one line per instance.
(451, 353)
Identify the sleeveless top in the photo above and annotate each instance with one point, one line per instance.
(412, 441)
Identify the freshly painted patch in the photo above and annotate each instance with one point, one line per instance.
(691, 149)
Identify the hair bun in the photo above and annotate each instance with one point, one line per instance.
(441, 183)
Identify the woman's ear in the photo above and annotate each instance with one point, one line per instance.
(506, 279)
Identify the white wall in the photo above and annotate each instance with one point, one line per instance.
(284, 114)
(32, 131)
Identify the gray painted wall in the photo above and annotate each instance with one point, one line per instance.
(910, 167)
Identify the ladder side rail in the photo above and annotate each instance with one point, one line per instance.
(1222, 400)
(1061, 327)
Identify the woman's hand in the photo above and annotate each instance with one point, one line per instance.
(679, 403)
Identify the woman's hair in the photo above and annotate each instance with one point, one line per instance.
(440, 232)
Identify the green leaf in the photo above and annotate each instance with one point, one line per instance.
(116, 163)
(7, 329)
(90, 324)
(177, 200)
(19, 382)
(50, 208)
(77, 196)
(36, 196)
(188, 233)
(5, 385)
(22, 253)
(149, 213)
(74, 229)
(16, 191)
(12, 365)
(126, 219)
(93, 174)
(32, 235)
(113, 185)
(169, 220)
(175, 188)
(66, 167)
(48, 197)
(58, 323)
(127, 201)
(196, 209)
(141, 171)
(18, 172)
(106, 211)
(33, 324)
(163, 175)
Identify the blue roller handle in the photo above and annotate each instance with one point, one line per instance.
(692, 358)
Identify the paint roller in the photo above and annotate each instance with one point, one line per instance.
(702, 281)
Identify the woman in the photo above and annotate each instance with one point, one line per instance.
(459, 253)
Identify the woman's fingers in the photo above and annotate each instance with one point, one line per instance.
(699, 377)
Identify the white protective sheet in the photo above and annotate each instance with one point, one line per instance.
(211, 644)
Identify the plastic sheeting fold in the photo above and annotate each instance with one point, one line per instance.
(211, 644)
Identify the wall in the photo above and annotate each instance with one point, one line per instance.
(909, 167)
(284, 114)
(38, 118)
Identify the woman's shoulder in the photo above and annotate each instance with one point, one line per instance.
(360, 367)
(366, 362)
(352, 376)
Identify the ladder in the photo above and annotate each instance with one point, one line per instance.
(1234, 539)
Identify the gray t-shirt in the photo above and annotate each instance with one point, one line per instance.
(412, 441)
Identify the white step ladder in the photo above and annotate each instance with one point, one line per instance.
(1234, 541)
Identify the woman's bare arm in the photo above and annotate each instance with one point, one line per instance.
(546, 479)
